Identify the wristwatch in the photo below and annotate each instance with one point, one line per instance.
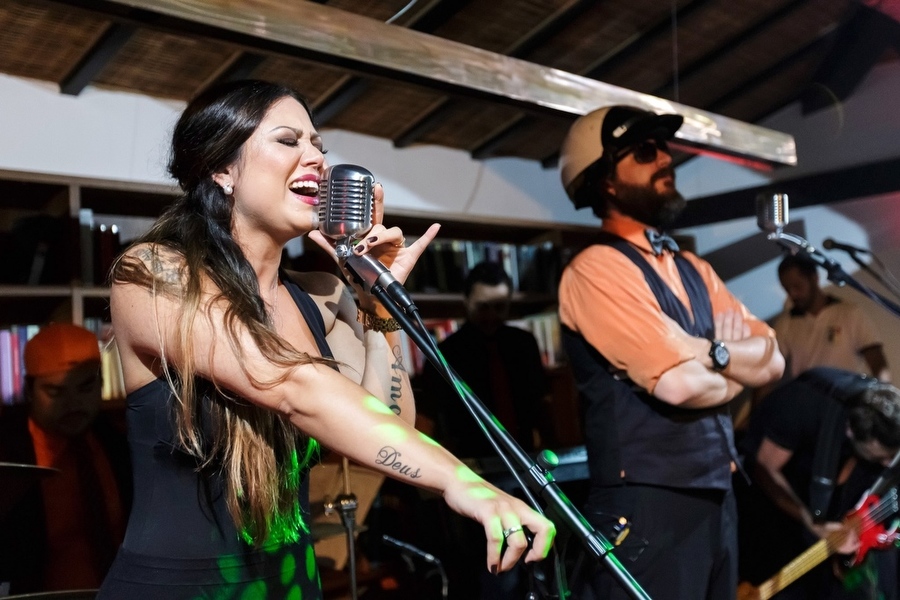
(719, 355)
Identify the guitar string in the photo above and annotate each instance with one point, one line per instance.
(876, 516)
(792, 571)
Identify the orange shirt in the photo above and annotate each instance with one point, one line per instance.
(69, 554)
(603, 296)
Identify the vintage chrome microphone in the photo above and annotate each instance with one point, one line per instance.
(772, 213)
(346, 206)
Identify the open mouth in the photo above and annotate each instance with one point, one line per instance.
(305, 188)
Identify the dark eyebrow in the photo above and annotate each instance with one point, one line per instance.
(315, 135)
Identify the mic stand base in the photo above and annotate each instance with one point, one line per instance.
(346, 505)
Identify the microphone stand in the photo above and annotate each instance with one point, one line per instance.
(539, 477)
(836, 274)
(868, 269)
(346, 504)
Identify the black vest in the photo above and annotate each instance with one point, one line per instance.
(630, 435)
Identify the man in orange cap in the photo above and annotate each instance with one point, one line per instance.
(63, 533)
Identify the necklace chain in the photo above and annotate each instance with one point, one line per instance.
(275, 298)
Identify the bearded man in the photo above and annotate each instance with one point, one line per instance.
(658, 347)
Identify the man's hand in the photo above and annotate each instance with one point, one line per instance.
(730, 326)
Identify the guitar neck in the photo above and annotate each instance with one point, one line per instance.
(796, 569)
(865, 521)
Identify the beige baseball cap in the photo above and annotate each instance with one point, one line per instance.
(608, 129)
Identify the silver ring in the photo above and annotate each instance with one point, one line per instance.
(510, 531)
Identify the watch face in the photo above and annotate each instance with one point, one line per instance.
(721, 355)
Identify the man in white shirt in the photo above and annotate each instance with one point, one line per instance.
(819, 330)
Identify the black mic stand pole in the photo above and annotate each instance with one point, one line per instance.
(540, 479)
(836, 273)
(345, 505)
(868, 269)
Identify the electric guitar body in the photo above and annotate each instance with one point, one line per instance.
(867, 521)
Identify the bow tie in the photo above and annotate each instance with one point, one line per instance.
(660, 241)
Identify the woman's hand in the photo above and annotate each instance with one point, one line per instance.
(505, 520)
(386, 244)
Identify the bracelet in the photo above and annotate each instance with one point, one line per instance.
(376, 323)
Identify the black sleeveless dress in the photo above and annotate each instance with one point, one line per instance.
(181, 542)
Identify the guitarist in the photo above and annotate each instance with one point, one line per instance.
(814, 446)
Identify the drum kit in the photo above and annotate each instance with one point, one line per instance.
(16, 480)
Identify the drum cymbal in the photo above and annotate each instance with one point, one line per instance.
(15, 481)
(10, 470)
(64, 595)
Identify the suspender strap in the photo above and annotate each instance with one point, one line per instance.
(701, 323)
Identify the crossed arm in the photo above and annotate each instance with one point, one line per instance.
(755, 360)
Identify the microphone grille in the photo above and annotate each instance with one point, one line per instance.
(828, 243)
(772, 212)
(346, 201)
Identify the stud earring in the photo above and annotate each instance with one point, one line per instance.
(228, 189)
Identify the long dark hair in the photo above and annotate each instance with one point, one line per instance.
(260, 451)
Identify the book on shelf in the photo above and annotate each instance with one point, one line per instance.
(445, 264)
(12, 362)
(86, 245)
(110, 361)
(544, 326)
(545, 329)
(106, 248)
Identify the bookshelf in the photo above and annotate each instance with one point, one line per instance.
(50, 228)
(58, 236)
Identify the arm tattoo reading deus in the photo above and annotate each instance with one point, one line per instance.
(390, 457)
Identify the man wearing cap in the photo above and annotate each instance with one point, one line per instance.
(64, 531)
(658, 347)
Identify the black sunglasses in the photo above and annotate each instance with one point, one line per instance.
(644, 152)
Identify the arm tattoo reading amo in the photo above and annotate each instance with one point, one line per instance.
(397, 369)
(390, 457)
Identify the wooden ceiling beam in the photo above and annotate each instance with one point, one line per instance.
(816, 46)
(848, 183)
(639, 40)
(485, 148)
(729, 45)
(241, 67)
(366, 46)
(428, 121)
(96, 59)
(549, 27)
(434, 15)
(351, 89)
